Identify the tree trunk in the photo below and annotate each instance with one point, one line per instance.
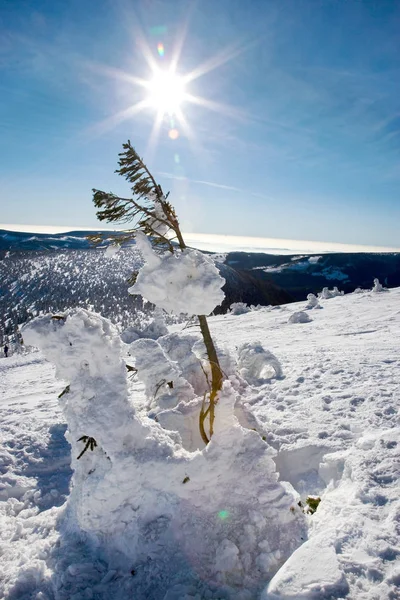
(216, 379)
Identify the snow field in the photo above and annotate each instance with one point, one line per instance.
(331, 420)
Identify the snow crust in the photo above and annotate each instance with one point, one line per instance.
(183, 282)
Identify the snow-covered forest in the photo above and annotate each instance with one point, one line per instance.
(38, 282)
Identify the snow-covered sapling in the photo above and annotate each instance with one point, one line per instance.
(312, 302)
(378, 287)
(177, 278)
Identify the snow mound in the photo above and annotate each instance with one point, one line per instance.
(255, 364)
(217, 519)
(299, 317)
(185, 282)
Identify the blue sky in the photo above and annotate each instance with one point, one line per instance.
(302, 140)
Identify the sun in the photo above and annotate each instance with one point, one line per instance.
(166, 92)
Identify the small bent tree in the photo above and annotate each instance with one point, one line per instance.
(152, 214)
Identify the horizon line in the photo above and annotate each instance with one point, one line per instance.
(226, 242)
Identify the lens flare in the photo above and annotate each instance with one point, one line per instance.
(223, 514)
(160, 49)
(173, 134)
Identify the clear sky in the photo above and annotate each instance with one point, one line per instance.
(290, 126)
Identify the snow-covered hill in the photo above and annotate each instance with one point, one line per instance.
(41, 281)
(332, 420)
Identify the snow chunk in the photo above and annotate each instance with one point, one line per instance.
(314, 259)
(227, 556)
(255, 363)
(299, 317)
(239, 308)
(297, 580)
(184, 282)
(112, 250)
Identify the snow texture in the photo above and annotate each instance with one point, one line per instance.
(183, 282)
(297, 580)
(151, 328)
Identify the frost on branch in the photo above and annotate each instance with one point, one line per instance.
(148, 504)
(183, 282)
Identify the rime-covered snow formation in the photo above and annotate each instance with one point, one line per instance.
(378, 287)
(218, 515)
(327, 293)
(146, 327)
(312, 302)
(183, 282)
(239, 308)
(255, 364)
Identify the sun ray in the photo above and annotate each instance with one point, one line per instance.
(115, 73)
(181, 38)
(154, 136)
(219, 107)
(111, 122)
(216, 61)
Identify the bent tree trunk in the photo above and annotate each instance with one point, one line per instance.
(216, 381)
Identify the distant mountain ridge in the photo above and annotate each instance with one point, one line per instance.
(20, 240)
(300, 275)
(45, 273)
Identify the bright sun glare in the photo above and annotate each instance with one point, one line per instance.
(166, 92)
